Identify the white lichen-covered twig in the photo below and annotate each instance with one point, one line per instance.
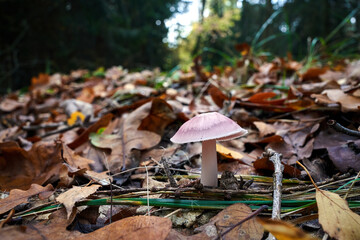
(275, 158)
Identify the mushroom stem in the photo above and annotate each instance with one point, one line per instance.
(209, 168)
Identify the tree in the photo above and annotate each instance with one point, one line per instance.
(61, 35)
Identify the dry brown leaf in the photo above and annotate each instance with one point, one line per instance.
(130, 138)
(17, 196)
(161, 114)
(134, 228)
(54, 228)
(75, 194)
(217, 96)
(283, 230)
(345, 157)
(264, 129)
(348, 103)
(231, 215)
(313, 73)
(20, 168)
(264, 163)
(335, 216)
(102, 178)
(87, 95)
(74, 159)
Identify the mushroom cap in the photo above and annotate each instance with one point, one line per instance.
(208, 126)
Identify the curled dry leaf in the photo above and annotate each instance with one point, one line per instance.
(283, 230)
(160, 115)
(335, 216)
(18, 196)
(231, 215)
(75, 194)
(134, 228)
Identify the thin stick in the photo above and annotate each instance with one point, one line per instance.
(147, 191)
(168, 173)
(275, 158)
(61, 130)
(263, 207)
(340, 128)
(352, 184)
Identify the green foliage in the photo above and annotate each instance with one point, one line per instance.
(307, 29)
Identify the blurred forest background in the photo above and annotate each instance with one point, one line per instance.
(63, 35)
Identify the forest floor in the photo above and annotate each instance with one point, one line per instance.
(88, 155)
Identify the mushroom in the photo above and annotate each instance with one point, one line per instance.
(207, 128)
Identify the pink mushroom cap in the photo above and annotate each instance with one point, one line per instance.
(208, 126)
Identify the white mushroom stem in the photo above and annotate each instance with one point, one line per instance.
(209, 168)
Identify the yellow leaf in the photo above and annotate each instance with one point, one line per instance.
(335, 216)
(228, 153)
(74, 116)
(283, 230)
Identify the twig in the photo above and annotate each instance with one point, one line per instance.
(168, 173)
(186, 189)
(279, 168)
(147, 191)
(263, 207)
(61, 130)
(340, 128)
(42, 126)
(352, 184)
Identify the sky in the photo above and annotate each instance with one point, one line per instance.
(186, 19)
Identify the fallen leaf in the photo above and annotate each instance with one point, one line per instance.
(261, 97)
(217, 96)
(265, 164)
(348, 103)
(102, 178)
(335, 216)
(231, 215)
(75, 160)
(75, 194)
(345, 156)
(18, 196)
(87, 95)
(20, 168)
(283, 230)
(9, 105)
(42, 79)
(75, 116)
(228, 153)
(134, 228)
(130, 138)
(243, 48)
(54, 228)
(264, 129)
(313, 73)
(161, 115)
(102, 122)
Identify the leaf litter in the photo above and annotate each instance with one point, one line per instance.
(84, 140)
